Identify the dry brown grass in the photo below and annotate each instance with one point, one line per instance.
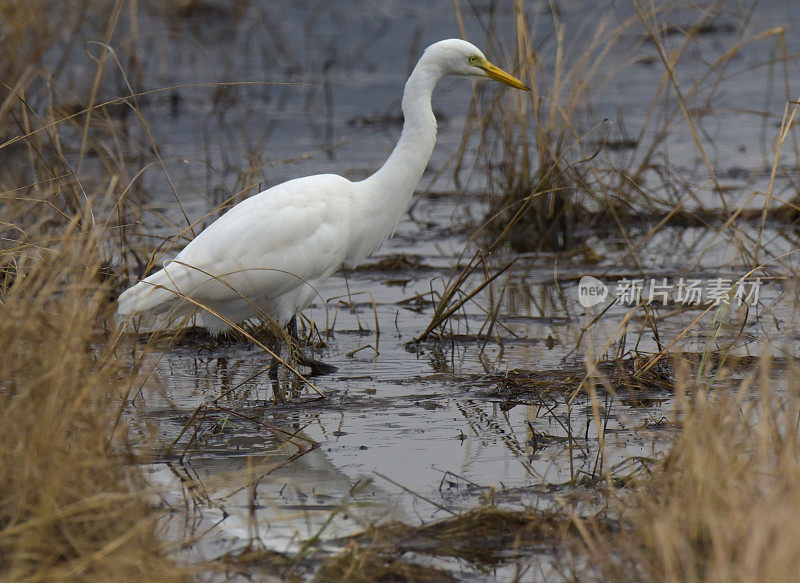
(557, 170)
(71, 506)
(723, 504)
(73, 503)
(538, 154)
(26, 37)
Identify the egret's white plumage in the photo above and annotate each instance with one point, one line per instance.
(273, 251)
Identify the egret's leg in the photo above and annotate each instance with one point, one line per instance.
(292, 328)
(317, 366)
(274, 367)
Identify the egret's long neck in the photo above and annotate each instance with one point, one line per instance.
(398, 177)
(381, 199)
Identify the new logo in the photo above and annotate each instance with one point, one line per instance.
(591, 291)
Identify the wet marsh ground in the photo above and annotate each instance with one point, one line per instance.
(483, 424)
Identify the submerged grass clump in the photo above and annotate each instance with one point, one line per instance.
(483, 536)
(360, 565)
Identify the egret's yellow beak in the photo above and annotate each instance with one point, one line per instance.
(496, 73)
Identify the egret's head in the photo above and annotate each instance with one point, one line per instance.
(458, 57)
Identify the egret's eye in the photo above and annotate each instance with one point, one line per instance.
(473, 60)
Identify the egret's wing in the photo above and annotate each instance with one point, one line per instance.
(285, 237)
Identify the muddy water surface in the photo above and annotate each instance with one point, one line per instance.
(409, 430)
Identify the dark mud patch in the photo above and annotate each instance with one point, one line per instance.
(361, 565)
(482, 536)
(624, 377)
(570, 239)
(704, 29)
(396, 262)
(251, 562)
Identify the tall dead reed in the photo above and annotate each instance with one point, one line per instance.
(722, 505)
(71, 505)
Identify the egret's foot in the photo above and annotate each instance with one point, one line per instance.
(318, 368)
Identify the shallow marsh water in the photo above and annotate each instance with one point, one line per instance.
(408, 431)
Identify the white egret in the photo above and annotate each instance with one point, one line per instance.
(272, 252)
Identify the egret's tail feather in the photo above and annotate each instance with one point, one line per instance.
(150, 296)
